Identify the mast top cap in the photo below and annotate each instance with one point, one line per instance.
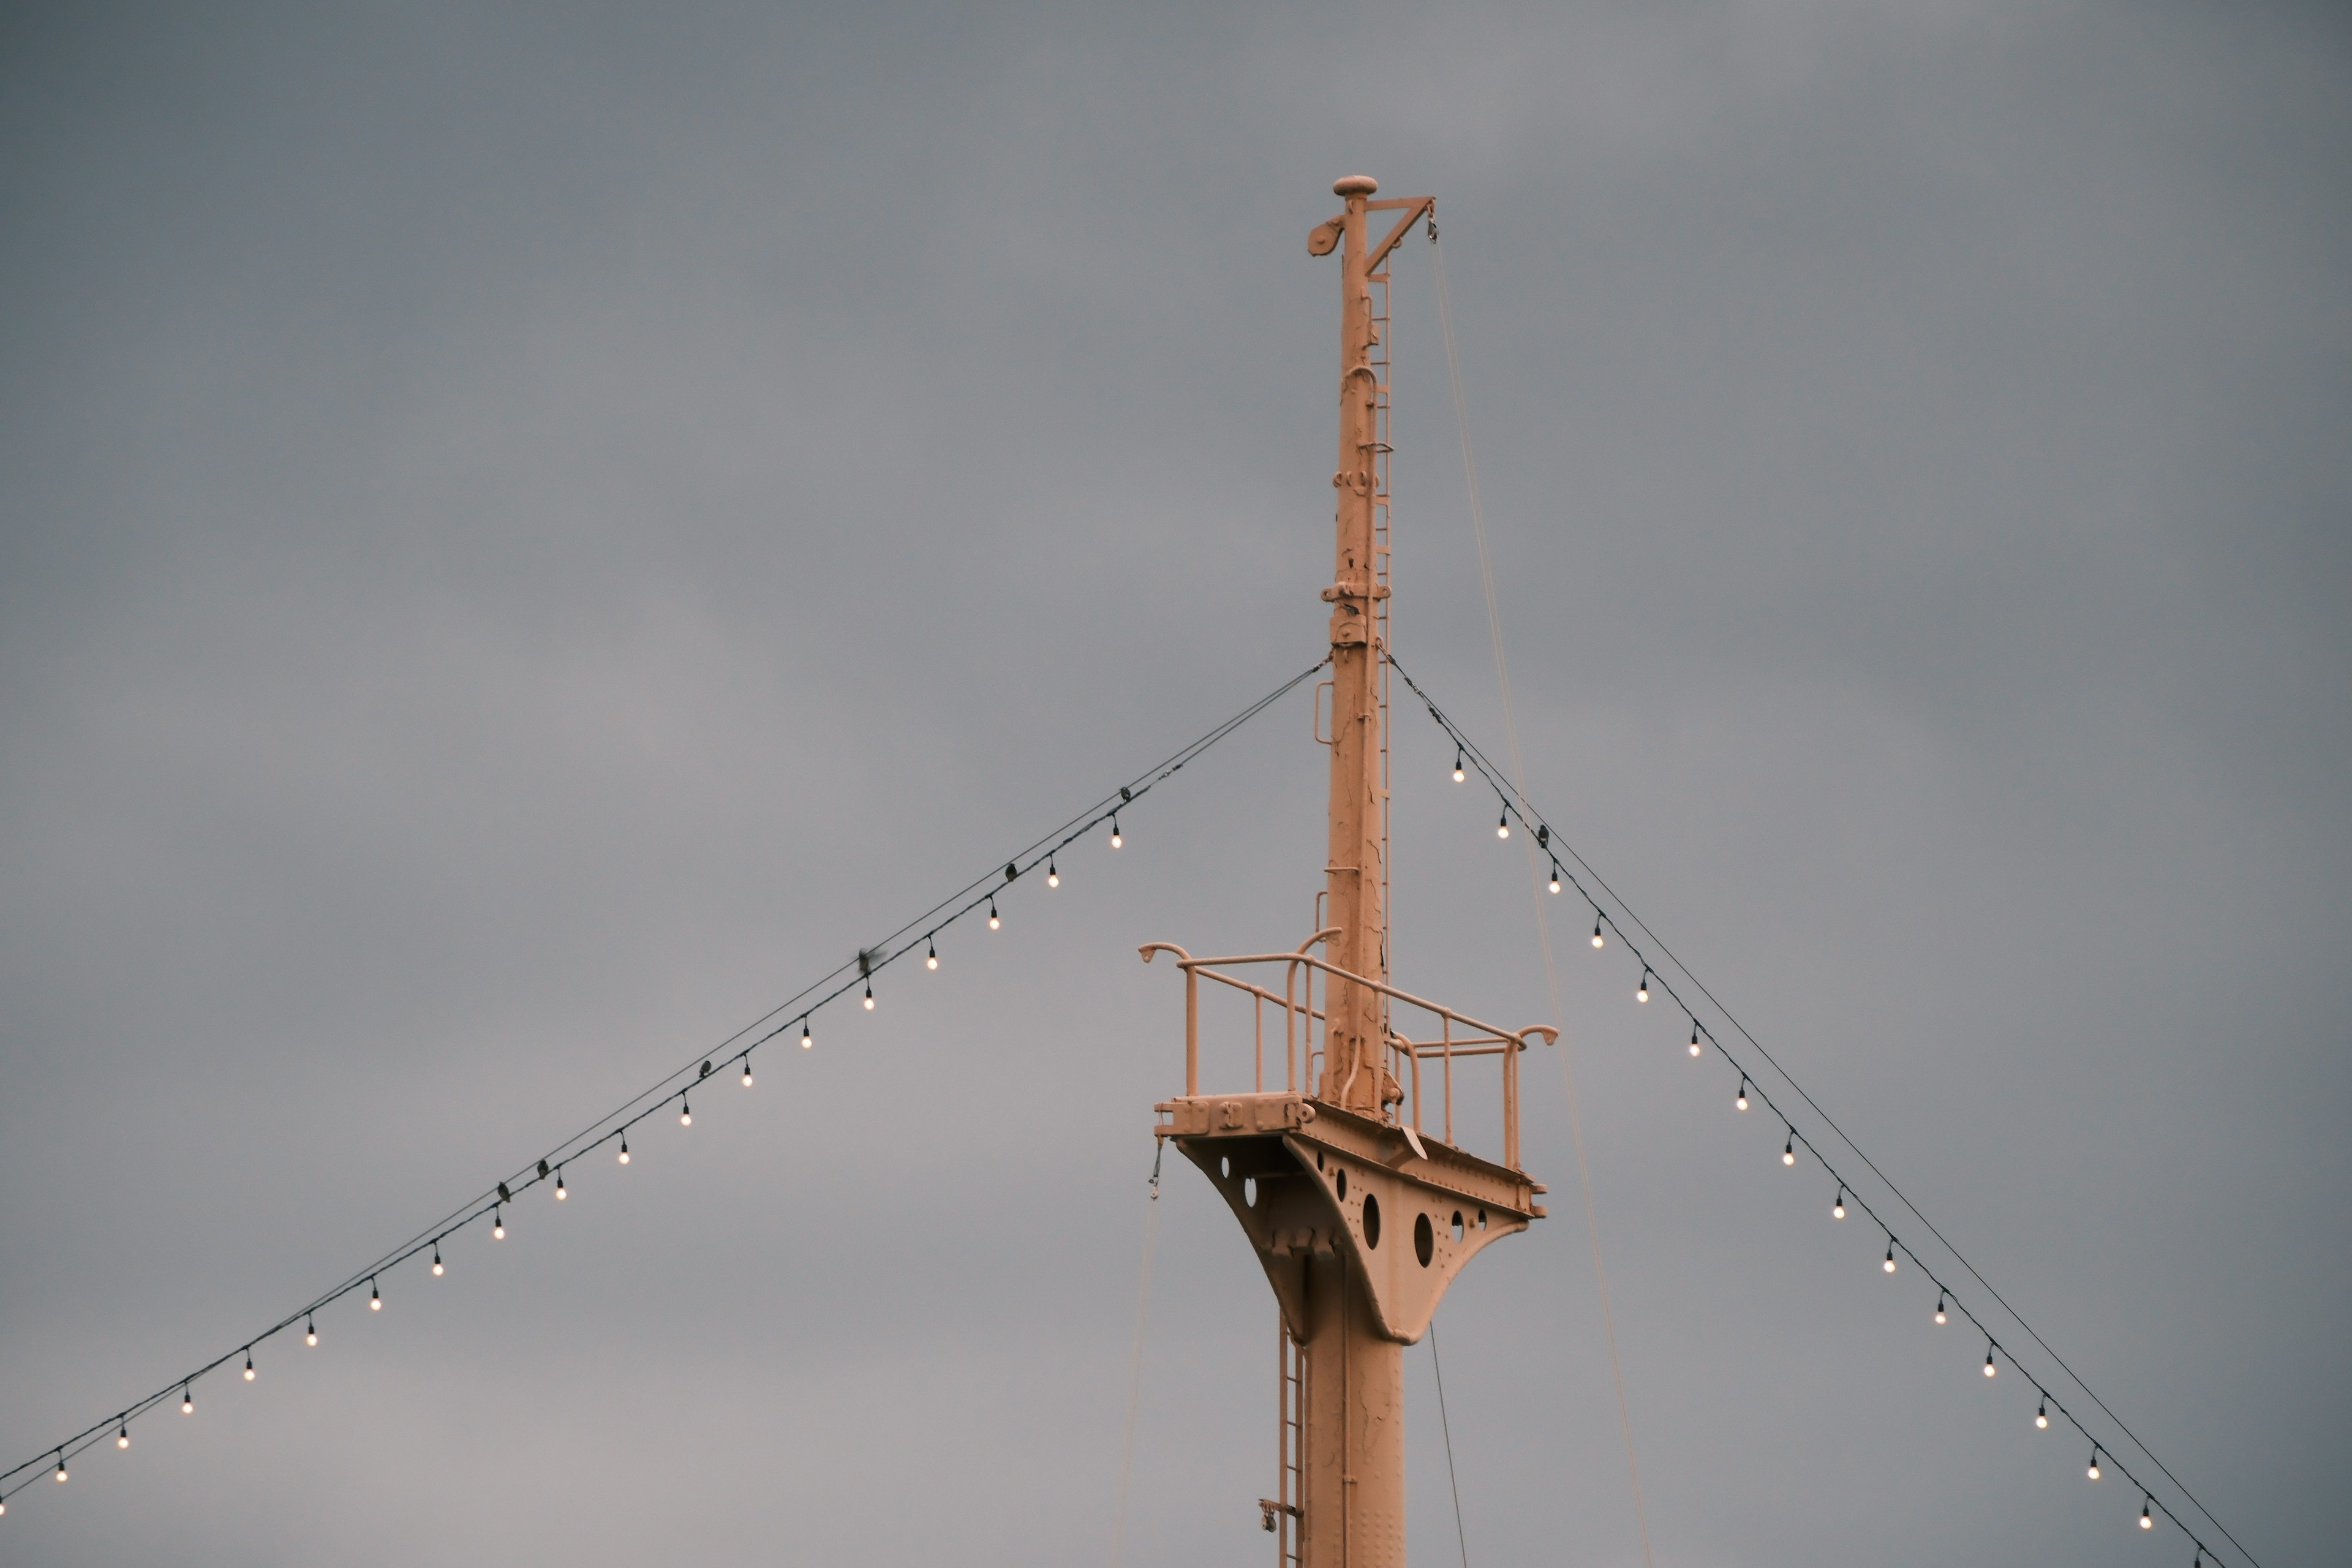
(1354, 185)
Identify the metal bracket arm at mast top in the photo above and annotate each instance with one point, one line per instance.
(1415, 205)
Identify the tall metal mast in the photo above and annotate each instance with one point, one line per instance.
(1360, 1213)
(1354, 875)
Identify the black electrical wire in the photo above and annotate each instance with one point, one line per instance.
(971, 896)
(1515, 805)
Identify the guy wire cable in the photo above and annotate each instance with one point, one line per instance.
(1543, 921)
(799, 1009)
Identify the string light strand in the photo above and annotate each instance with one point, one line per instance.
(797, 1009)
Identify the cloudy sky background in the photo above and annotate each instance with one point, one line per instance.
(527, 538)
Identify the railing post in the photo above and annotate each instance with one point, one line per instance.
(1511, 1100)
(1448, 1018)
(1257, 1017)
(1192, 1033)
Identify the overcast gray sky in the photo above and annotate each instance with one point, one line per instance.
(527, 536)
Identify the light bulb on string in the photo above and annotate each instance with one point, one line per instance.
(625, 1148)
(437, 1259)
(2041, 1415)
(869, 995)
(1991, 1370)
(1114, 839)
(1596, 929)
(685, 1112)
(122, 1436)
(1053, 873)
(375, 1301)
(747, 1070)
(1739, 1101)
(1555, 876)
(808, 1036)
(1939, 1306)
(930, 952)
(248, 1364)
(497, 1224)
(1890, 1255)
(993, 922)
(309, 1331)
(1694, 1036)
(1503, 824)
(1641, 992)
(188, 1400)
(559, 1175)
(1789, 1150)
(2094, 1471)
(62, 1464)
(1837, 1205)
(1457, 764)
(2146, 1520)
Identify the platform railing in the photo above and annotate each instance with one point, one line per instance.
(1457, 1035)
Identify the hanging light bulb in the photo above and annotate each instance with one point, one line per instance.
(1114, 839)
(560, 1194)
(991, 911)
(1457, 764)
(1837, 1207)
(930, 952)
(747, 1070)
(807, 1038)
(436, 1259)
(1991, 1370)
(1890, 1255)
(1596, 928)
(2094, 1471)
(685, 1112)
(122, 1437)
(1739, 1101)
(2041, 1415)
(1641, 992)
(1939, 1306)
(869, 995)
(624, 1149)
(375, 1302)
(1789, 1150)
(1694, 1036)
(497, 1224)
(1503, 824)
(62, 1464)
(1053, 873)
(188, 1400)
(1555, 876)
(2145, 1520)
(309, 1331)
(248, 1364)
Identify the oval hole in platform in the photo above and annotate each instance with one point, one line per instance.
(1424, 1239)
(1225, 1168)
(1343, 1187)
(1249, 1191)
(1457, 1224)
(1371, 1221)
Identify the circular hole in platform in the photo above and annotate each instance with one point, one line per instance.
(1457, 1224)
